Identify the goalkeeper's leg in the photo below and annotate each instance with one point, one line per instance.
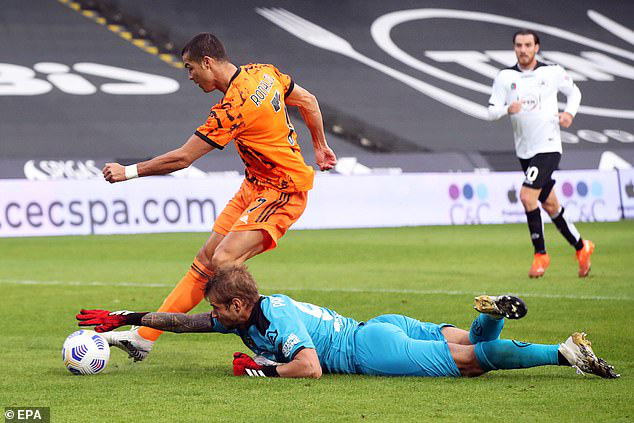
(488, 325)
(385, 349)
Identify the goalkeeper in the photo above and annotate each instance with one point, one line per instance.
(295, 339)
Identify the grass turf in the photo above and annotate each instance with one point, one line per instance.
(430, 273)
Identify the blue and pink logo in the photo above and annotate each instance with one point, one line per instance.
(582, 189)
(469, 202)
(468, 191)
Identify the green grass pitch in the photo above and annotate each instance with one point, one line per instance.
(430, 273)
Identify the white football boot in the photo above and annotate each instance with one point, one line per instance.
(578, 351)
(131, 342)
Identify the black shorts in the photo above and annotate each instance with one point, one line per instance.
(539, 170)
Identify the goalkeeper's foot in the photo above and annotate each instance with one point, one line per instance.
(131, 342)
(578, 351)
(507, 306)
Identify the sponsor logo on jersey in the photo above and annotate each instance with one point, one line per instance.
(277, 302)
(272, 336)
(529, 103)
(291, 341)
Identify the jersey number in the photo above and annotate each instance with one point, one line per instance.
(260, 202)
(313, 310)
(531, 173)
(276, 102)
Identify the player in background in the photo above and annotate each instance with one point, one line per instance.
(295, 339)
(273, 195)
(528, 93)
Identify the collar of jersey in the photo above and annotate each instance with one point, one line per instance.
(257, 317)
(235, 75)
(518, 69)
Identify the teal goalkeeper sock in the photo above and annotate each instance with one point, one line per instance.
(504, 354)
(485, 328)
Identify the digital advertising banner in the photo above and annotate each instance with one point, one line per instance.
(626, 181)
(452, 199)
(163, 204)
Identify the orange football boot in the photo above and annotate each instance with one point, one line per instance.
(539, 266)
(583, 257)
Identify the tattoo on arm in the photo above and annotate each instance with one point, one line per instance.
(179, 322)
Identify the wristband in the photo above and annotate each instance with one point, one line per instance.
(131, 172)
(265, 371)
(270, 371)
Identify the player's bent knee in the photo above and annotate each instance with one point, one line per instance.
(206, 253)
(528, 200)
(223, 258)
(456, 336)
(205, 259)
(551, 208)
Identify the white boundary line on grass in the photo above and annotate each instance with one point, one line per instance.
(350, 290)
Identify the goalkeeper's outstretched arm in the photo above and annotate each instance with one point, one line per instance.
(105, 320)
(178, 322)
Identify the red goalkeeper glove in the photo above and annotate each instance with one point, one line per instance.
(243, 365)
(105, 321)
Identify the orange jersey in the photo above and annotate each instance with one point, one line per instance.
(253, 113)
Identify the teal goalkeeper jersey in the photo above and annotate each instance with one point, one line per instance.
(280, 327)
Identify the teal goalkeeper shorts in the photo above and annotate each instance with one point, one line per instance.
(396, 345)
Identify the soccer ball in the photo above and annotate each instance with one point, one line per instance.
(85, 352)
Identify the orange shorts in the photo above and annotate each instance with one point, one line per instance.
(258, 208)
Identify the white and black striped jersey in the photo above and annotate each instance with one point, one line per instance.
(536, 126)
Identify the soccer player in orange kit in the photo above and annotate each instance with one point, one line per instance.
(274, 192)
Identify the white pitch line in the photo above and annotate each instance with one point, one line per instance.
(88, 283)
(350, 290)
(459, 293)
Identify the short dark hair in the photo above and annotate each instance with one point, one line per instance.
(205, 44)
(526, 32)
(231, 282)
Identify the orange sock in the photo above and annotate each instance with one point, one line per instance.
(185, 296)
